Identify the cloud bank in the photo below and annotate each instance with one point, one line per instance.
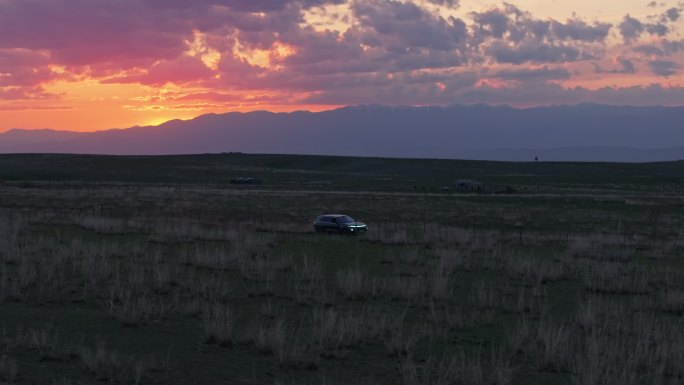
(336, 52)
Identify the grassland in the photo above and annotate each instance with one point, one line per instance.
(154, 270)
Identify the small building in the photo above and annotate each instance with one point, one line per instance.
(473, 186)
(244, 180)
(469, 185)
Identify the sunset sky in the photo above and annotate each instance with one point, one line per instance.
(96, 64)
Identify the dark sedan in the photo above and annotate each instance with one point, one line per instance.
(338, 223)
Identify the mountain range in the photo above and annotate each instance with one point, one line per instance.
(585, 132)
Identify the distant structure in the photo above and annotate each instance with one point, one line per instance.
(469, 185)
(243, 180)
(536, 158)
(473, 186)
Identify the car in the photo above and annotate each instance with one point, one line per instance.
(338, 223)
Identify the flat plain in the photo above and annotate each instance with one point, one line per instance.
(156, 270)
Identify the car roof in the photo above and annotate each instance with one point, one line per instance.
(334, 215)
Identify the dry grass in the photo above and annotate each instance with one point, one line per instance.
(609, 277)
(468, 368)
(133, 307)
(413, 289)
(271, 339)
(673, 302)
(554, 348)
(333, 331)
(627, 344)
(219, 323)
(285, 344)
(111, 366)
(427, 303)
(358, 284)
(535, 270)
(391, 234)
(399, 340)
(103, 225)
(453, 259)
(104, 363)
(8, 369)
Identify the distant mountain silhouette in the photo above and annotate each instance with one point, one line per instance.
(585, 132)
(18, 136)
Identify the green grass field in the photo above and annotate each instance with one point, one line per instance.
(155, 270)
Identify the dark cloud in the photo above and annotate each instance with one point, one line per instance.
(551, 93)
(405, 89)
(273, 5)
(535, 52)
(631, 28)
(527, 74)
(514, 24)
(492, 23)
(658, 29)
(539, 29)
(240, 5)
(664, 67)
(581, 31)
(626, 67)
(386, 37)
(516, 93)
(397, 25)
(447, 3)
(510, 35)
(662, 48)
(672, 47)
(672, 14)
(649, 50)
(398, 50)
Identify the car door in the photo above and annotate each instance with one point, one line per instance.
(325, 224)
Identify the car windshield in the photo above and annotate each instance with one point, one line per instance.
(345, 219)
